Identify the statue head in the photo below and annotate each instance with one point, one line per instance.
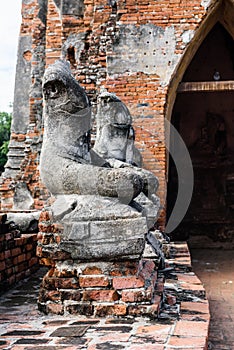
(113, 127)
(115, 134)
(61, 91)
(112, 110)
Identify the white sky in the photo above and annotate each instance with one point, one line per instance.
(10, 19)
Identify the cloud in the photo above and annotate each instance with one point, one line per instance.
(9, 34)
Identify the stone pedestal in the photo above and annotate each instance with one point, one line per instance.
(94, 271)
(87, 228)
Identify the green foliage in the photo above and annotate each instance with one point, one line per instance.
(5, 126)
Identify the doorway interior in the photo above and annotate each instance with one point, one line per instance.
(203, 114)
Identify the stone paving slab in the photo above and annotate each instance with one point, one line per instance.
(183, 322)
(215, 268)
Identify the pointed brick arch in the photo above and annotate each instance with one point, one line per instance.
(218, 11)
(201, 108)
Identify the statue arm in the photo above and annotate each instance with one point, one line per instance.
(150, 181)
(63, 176)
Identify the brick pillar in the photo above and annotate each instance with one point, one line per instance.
(93, 288)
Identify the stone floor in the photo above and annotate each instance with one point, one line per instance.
(215, 268)
(22, 326)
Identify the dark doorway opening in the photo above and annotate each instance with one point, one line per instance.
(203, 114)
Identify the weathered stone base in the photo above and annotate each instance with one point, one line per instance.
(91, 228)
(100, 288)
(96, 272)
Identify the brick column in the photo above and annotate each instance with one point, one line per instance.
(96, 288)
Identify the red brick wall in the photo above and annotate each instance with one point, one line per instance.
(17, 257)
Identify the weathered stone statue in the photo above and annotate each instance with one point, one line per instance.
(115, 143)
(94, 204)
(115, 134)
(65, 157)
(102, 208)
